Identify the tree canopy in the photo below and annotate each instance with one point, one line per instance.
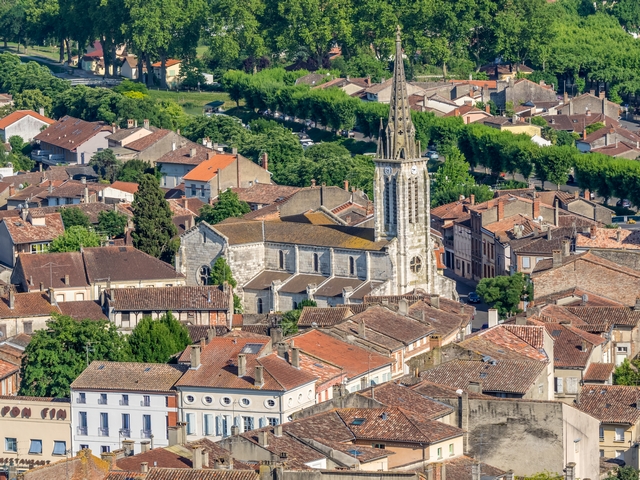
(227, 206)
(75, 237)
(155, 341)
(505, 292)
(73, 216)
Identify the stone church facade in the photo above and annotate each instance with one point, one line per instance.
(278, 264)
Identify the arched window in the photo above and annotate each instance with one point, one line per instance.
(202, 276)
(415, 265)
(352, 266)
(259, 306)
(316, 262)
(281, 259)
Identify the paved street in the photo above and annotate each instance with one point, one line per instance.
(464, 287)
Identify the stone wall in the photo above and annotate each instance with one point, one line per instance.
(621, 257)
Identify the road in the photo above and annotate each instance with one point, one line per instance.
(464, 287)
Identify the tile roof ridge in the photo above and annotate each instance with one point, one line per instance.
(267, 369)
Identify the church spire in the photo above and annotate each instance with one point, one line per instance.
(401, 134)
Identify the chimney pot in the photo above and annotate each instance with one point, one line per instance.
(362, 329)
(346, 185)
(144, 467)
(192, 152)
(265, 161)
(618, 235)
(593, 231)
(66, 280)
(277, 430)
(196, 458)
(557, 258)
(472, 198)
(242, 365)
(259, 376)
(12, 299)
(146, 124)
(492, 317)
(295, 357)
(313, 182)
(263, 438)
(435, 301)
(195, 356)
(145, 446)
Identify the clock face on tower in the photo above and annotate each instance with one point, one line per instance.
(414, 170)
(387, 170)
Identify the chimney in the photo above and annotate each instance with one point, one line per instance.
(66, 280)
(313, 182)
(265, 160)
(127, 446)
(472, 199)
(514, 119)
(263, 439)
(362, 329)
(570, 471)
(196, 458)
(195, 356)
(146, 123)
(235, 430)
(277, 430)
(584, 134)
(475, 387)
(242, 365)
(113, 128)
(192, 153)
(282, 349)
(435, 301)
(536, 207)
(173, 146)
(601, 95)
(144, 467)
(276, 335)
(12, 190)
(234, 151)
(619, 235)
(258, 380)
(346, 185)
(583, 346)
(130, 123)
(144, 446)
(492, 317)
(42, 286)
(52, 296)
(636, 307)
(557, 258)
(565, 98)
(566, 248)
(12, 299)
(456, 112)
(500, 208)
(295, 357)
(593, 231)
(587, 194)
(135, 123)
(211, 334)
(487, 108)
(435, 345)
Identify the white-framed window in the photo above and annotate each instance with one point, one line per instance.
(601, 433)
(245, 402)
(270, 403)
(247, 424)
(559, 385)
(207, 400)
(59, 447)
(273, 421)
(526, 262)
(10, 444)
(189, 399)
(191, 423)
(451, 450)
(439, 452)
(619, 435)
(226, 401)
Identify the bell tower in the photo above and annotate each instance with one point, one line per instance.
(401, 185)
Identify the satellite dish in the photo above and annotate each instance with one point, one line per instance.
(540, 219)
(21, 186)
(459, 391)
(585, 298)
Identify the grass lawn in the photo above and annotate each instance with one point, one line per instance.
(192, 102)
(51, 53)
(200, 50)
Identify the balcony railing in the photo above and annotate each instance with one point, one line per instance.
(103, 432)
(125, 432)
(145, 402)
(145, 433)
(81, 400)
(82, 430)
(102, 401)
(124, 402)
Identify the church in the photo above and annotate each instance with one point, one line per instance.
(277, 264)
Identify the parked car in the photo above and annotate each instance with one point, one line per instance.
(473, 297)
(623, 202)
(433, 155)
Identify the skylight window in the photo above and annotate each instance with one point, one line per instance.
(251, 348)
(358, 421)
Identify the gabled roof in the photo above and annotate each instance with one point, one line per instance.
(501, 343)
(298, 454)
(121, 264)
(508, 376)
(183, 155)
(148, 140)
(208, 169)
(129, 376)
(610, 238)
(170, 62)
(129, 187)
(7, 369)
(395, 395)
(452, 211)
(599, 372)
(354, 360)
(219, 366)
(23, 231)
(444, 323)
(568, 343)
(610, 403)
(83, 310)
(43, 269)
(612, 315)
(19, 115)
(176, 298)
(547, 264)
(602, 132)
(69, 132)
(323, 317)
(264, 193)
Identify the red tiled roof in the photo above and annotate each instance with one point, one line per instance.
(191, 474)
(7, 369)
(568, 345)
(27, 305)
(129, 187)
(353, 359)
(147, 141)
(129, 376)
(532, 335)
(396, 395)
(208, 169)
(68, 132)
(170, 62)
(37, 269)
(323, 317)
(219, 366)
(263, 193)
(205, 298)
(610, 403)
(20, 114)
(83, 310)
(611, 315)
(599, 372)
(23, 231)
(494, 341)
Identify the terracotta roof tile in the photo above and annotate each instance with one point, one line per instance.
(19, 115)
(37, 269)
(298, 283)
(508, 376)
(444, 323)
(190, 474)
(125, 264)
(494, 341)
(396, 395)
(599, 372)
(323, 317)
(461, 468)
(183, 156)
(129, 376)
(219, 366)
(75, 189)
(129, 187)
(353, 359)
(26, 305)
(170, 62)
(547, 264)
(264, 194)
(568, 345)
(208, 169)
(198, 332)
(83, 310)
(327, 425)
(205, 298)
(7, 369)
(23, 231)
(608, 238)
(147, 141)
(438, 390)
(68, 132)
(611, 315)
(264, 279)
(298, 454)
(334, 287)
(610, 403)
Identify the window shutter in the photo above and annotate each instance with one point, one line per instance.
(236, 421)
(219, 431)
(572, 385)
(207, 424)
(559, 388)
(261, 422)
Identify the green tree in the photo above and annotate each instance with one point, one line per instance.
(75, 237)
(106, 165)
(154, 228)
(112, 223)
(32, 100)
(454, 172)
(505, 292)
(227, 206)
(74, 217)
(625, 473)
(133, 170)
(155, 341)
(221, 272)
(594, 127)
(290, 319)
(58, 354)
(627, 373)
(554, 164)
